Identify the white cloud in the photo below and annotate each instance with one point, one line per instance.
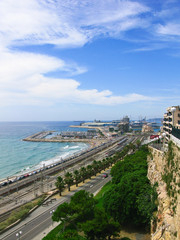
(62, 23)
(65, 23)
(69, 23)
(23, 82)
(169, 29)
(40, 90)
(16, 67)
(149, 47)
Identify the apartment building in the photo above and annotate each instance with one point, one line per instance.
(171, 122)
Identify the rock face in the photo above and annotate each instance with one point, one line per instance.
(163, 169)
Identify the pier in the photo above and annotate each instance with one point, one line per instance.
(38, 136)
(88, 137)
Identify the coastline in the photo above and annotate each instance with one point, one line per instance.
(59, 159)
(91, 145)
(49, 155)
(72, 161)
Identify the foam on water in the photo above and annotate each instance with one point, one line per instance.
(74, 147)
(68, 151)
(66, 147)
(18, 157)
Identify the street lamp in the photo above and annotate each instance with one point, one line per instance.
(18, 235)
(51, 213)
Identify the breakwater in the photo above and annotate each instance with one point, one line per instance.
(41, 137)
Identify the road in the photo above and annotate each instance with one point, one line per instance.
(38, 221)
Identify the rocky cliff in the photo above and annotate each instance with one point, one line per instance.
(164, 170)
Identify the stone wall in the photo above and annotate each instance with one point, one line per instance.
(163, 168)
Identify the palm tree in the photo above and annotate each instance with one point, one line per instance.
(100, 166)
(138, 143)
(68, 179)
(132, 147)
(111, 160)
(83, 173)
(77, 177)
(60, 184)
(104, 164)
(90, 170)
(108, 163)
(95, 167)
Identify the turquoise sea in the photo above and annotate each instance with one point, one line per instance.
(17, 156)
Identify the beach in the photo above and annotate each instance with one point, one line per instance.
(18, 157)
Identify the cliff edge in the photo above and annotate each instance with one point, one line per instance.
(164, 171)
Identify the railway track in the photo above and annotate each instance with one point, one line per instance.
(19, 198)
(49, 180)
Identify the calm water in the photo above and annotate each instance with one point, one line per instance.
(17, 156)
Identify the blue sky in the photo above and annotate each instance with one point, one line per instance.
(91, 59)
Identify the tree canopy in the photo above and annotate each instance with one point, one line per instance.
(129, 200)
(82, 213)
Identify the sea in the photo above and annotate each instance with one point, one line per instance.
(18, 157)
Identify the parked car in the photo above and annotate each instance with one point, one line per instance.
(105, 175)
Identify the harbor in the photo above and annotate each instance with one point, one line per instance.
(92, 136)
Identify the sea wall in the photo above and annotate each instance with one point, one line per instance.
(163, 169)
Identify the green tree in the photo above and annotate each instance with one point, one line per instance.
(104, 164)
(138, 143)
(90, 171)
(77, 177)
(110, 160)
(68, 179)
(132, 147)
(80, 209)
(100, 227)
(83, 205)
(100, 166)
(83, 173)
(60, 184)
(69, 235)
(95, 167)
(63, 213)
(130, 196)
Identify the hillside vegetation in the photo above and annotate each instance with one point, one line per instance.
(127, 199)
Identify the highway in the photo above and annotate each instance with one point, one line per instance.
(36, 224)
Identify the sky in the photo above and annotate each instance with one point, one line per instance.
(64, 60)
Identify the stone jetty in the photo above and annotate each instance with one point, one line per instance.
(41, 137)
